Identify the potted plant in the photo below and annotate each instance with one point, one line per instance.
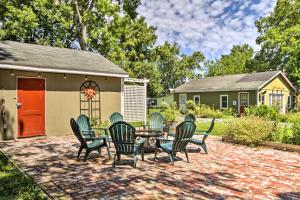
(170, 114)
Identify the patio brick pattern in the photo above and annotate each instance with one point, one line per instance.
(228, 171)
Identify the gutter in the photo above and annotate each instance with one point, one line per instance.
(62, 71)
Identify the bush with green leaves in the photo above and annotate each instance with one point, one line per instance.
(205, 111)
(249, 130)
(171, 113)
(288, 134)
(265, 111)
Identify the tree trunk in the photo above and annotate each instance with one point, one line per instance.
(82, 29)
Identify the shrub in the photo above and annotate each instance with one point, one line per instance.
(265, 111)
(291, 117)
(249, 130)
(190, 105)
(296, 134)
(164, 105)
(171, 113)
(207, 112)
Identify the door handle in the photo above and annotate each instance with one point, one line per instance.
(19, 105)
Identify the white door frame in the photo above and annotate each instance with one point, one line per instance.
(239, 102)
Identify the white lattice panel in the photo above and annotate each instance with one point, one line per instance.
(134, 103)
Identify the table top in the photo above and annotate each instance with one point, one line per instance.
(148, 133)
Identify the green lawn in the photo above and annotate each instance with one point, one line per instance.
(218, 129)
(15, 185)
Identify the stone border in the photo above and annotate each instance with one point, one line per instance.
(268, 144)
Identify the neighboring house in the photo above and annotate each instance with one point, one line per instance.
(239, 91)
(157, 102)
(44, 87)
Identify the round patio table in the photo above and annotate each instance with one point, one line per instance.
(148, 147)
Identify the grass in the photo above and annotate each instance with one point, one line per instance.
(15, 185)
(218, 129)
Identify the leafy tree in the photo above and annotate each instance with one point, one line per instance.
(174, 67)
(280, 39)
(233, 63)
(111, 27)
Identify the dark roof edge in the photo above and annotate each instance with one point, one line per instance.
(47, 70)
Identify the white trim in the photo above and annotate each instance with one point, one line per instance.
(257, 98)
(239, 100)
(199, 99)
(290, 101)
(223, 95)
(285, 78)
(45, 102)
(136, 80)
(145, 90)
(122, 96)
(63, 71)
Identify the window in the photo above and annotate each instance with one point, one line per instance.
(276, 100)
(182, 99)
(197, 99)
(224, 101)
(289, 101)
(263, 100)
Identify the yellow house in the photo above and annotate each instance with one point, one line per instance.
(42, 88)
(278, 92)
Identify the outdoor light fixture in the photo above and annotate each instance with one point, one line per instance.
(86, 78)
(39, 75)
(65, 76)
(12, 73)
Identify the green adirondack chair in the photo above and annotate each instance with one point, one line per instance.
(90, 143)
(85, 127)
(156, 122)
(124, 138)
(190, 117)
(184, 133)
(205, 134)
(115, 117)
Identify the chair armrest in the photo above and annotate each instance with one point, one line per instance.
(96, 138)
(102, 129)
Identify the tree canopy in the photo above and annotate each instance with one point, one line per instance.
(233, 63)
(280, 39)
(111, 27)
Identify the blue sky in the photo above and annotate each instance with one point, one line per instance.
(209, 26)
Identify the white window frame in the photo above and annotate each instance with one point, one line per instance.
(290, 101)
(263, 102)
(199, 99)
(223, 95)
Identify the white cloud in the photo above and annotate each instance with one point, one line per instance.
(210, 26)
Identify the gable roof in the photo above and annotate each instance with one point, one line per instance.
(236, 82)
(32, 57)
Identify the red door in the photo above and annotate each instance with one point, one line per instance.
(31, 107)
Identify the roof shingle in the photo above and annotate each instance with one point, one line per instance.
(54, 58)
(234, 82)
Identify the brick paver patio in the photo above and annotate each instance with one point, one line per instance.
(227, 172)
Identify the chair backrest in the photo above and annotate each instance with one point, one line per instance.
(123, 137)
(210, 129)
(84, 124)
(190, 117)
(115, 117)
(76, 130)
(184, 133)
(156, 121)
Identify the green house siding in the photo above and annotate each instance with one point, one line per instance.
(213, 98)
